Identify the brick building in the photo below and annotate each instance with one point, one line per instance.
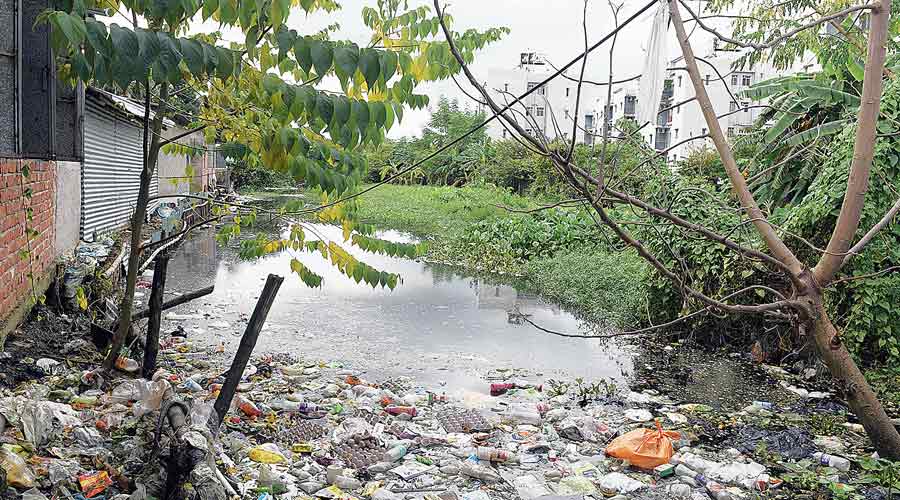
(41, 136)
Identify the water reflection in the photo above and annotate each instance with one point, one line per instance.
(438, 325)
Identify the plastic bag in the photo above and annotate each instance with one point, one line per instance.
(33, 494)
(17, 473)
(153, 399)
(94, 484)
(644, 448)
(267, 454)
(616, 482)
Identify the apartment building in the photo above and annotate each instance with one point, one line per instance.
(550, 110)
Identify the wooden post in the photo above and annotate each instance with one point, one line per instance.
(151, 349)
(245, 349)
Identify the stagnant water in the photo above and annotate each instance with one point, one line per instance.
(440, 326)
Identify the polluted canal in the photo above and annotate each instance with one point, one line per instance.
(438, 325)
(436, 390)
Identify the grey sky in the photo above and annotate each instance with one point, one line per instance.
(553, 28)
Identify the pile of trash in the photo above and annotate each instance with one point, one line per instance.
(312, 430)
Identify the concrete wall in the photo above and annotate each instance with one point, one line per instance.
(172, 173)
(68, 206)
(14, 269)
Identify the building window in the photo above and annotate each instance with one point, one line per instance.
(732, 106)
(730, 131)
(539, 111)
(567, 91)
(676, 133)
(679, 81)
(734, 80)
(541, 90)
(630, 104)
(746, 80)
(704, 131)
(506, 87)
(589, 122)
(706, 79)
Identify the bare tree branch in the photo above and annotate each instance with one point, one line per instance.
(884, 222)
(774, 41)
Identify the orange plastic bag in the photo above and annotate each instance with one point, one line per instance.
(644, 448)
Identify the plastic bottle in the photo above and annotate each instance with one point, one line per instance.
(718, 491)
(698, 463)
(284, 404)
(397, 410)
(494, 455)
(471, 469)
(685, 471)
(395, 453)
(525, 416)
(500, 389)
(247, 407)
(839, 463)
(524, 384)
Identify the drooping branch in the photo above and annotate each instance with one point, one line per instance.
(738, 183)
(863, 149)
(649, 329)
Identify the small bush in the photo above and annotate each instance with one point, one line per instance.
(608, 287)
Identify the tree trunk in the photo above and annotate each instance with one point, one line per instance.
(137, 224)
(857, 391)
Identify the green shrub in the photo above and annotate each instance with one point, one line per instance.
(608, 287)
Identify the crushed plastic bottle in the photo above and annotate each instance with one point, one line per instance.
(495, 455)
(839, 463)
(395, 453)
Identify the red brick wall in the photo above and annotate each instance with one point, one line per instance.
(15, 286)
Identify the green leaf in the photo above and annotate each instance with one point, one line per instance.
(302, 53)
(378, 113)
(209, 8)
(279, 12)
(192, 51)
(324, 107)
(225, 63)
(148, 44)
(822, 130)
(345, 61)
(360, 111)
(856, 68)
(97, 36)
(72, 27)
(321, 54)
(369, 66)
(81, 67)
(388, 63)
(341, 110)
(124, 41)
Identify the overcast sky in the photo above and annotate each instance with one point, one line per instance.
(553, 28)
(550, 27)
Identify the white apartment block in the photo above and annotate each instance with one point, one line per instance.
(549, 110)
(725, 85)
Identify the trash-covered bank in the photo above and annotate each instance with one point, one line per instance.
(308, 428)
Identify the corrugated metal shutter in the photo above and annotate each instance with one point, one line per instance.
(111, 172)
